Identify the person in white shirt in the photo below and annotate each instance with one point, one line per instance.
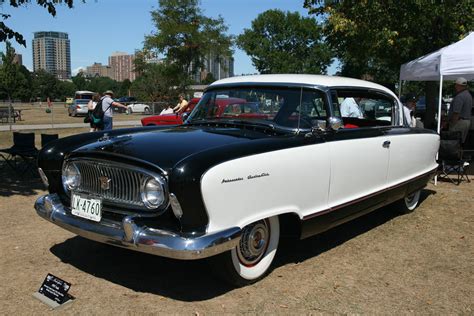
(409, 109)
(168, 110)
(350, 108)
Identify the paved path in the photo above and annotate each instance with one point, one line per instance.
(12, 127)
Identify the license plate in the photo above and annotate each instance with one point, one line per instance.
(86, 207)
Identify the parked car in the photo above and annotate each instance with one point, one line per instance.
(138, 108)
(126, 99)
(170, 119)
(226, 187)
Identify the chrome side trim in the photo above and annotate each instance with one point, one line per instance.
(128, 234)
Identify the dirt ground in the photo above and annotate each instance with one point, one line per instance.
(382, 263)
(36, 114)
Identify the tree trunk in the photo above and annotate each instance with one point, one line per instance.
(431, 90)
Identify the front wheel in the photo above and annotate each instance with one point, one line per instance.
(251, 259)
(146, 110)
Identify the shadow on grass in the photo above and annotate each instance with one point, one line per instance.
(22, 181)
(193, 280)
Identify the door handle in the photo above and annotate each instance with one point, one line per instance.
(386, 144)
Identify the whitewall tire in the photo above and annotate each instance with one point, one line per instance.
(251, 259)
(410, 202)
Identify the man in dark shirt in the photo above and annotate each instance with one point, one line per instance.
(460, 110)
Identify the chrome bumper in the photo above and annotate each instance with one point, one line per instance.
(129, 235)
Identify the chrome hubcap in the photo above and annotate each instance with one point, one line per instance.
(253, 243)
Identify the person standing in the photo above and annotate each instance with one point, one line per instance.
(409, 109)
(182, 104)
(107, 104)
(90, 108)
(459, 114)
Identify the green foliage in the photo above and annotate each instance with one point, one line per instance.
(8, 33)
(14, 79)
(375, 37)
(209, 79)
(157, 82)
(185, 36)
(44, 85)
(280, 42)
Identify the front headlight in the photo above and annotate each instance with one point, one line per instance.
(153, 192)
(71, 177)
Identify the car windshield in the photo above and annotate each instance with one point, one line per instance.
(280, 106)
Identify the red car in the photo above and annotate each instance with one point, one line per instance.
(226, 107)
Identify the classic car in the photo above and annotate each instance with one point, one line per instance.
(227, 187)
(225, 107)
(170, 119)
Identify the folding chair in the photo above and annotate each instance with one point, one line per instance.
(24, 148)
(47, 138)
(451, 160)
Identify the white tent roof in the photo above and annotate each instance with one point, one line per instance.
(453, 61)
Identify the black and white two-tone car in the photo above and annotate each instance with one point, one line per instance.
(229, 181)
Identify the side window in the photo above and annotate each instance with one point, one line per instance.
(312, 106)
(363, 108)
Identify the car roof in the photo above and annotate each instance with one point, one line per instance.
(315, 80)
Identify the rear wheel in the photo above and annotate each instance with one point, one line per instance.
(410, 202)
(147, 110)
(251, 259)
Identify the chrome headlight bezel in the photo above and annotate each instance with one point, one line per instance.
(70, 177)
(158, 185)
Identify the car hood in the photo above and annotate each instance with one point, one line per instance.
(166, 147)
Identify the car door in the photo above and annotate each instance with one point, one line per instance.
(359, 153)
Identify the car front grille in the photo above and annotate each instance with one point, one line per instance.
(116, 184)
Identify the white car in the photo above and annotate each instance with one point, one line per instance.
(225, 185)
(138, 108)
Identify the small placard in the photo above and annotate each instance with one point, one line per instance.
(55, 289)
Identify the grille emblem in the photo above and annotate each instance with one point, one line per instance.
(104, 182)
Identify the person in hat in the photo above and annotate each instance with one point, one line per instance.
(107, 104)
(459, 114)
(409, 106)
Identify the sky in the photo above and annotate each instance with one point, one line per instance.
(98, 28)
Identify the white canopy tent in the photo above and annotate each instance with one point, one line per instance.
(447, 63)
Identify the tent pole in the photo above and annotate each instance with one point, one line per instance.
(399, 88)
(440, 100)
(440, 96)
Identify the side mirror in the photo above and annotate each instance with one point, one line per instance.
(334, 123)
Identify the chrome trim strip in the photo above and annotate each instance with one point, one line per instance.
(130, 235)
(365, 197)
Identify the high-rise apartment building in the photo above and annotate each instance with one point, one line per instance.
(122, 66)
(220, 68)
(52, 52)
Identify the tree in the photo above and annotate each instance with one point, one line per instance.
(80, 81)
(44, 85)
(280, 42)
(8, 33)
(375, 38)
(156, 83)
(185, 36)
(209, 79)
(10, 74)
